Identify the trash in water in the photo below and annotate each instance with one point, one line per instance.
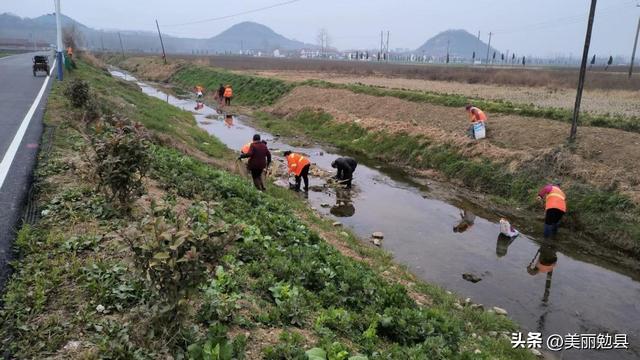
(471, 277)
(507, 230)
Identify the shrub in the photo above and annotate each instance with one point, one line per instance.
(173, 256)
(77, 92)
(121, 160)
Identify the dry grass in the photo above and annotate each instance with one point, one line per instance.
(513, 76)
(624, 102)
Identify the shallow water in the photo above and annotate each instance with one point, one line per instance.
(577, 297)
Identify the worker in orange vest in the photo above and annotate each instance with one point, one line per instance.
(228, 94)
(70, 52)
(555, 206)
(475, 115)
(199, 91)
(545, 264)
(299, 166)
(245, 148)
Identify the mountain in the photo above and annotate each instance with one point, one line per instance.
(249, 35)
(461, 44)
(246, 35)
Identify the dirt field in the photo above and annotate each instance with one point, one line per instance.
(624, 102)
(602, 157)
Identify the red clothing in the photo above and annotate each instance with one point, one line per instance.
(259, 156)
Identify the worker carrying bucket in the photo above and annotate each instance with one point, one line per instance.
(478, 118)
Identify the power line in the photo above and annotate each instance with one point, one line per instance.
(234, 15)
(561, 21)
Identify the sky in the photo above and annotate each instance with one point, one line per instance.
(538, 27)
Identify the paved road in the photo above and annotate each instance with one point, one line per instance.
(20, 130)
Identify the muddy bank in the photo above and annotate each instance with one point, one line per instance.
(419, 230)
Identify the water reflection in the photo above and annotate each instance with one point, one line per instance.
(502, 244)
(344, 205)
(467, 219)
(545, 261)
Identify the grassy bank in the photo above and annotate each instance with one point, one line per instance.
(203, 266)
(248, 90)
(621, 231)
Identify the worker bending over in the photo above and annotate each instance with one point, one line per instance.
(555, 205)
(476, 116)
(346, 167)
(259, 159)
(299, 166)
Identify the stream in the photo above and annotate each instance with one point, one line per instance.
(420, 230)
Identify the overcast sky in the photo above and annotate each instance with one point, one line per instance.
(532, 27)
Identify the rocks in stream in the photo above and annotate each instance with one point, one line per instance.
(500, 311)
(376, 238)
(471, 277)
(337, 223)
(325, 205)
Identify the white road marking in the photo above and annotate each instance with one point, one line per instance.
(5, 165)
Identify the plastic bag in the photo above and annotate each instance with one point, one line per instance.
(507, 230)
(479, 130)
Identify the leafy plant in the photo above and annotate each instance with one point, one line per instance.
(219, 300)
(173, 257)
(217, 346)
(290, 301)
(77, 92)
(290, 347)
(122, 160)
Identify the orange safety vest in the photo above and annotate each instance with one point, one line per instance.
(556, 199)
(199, 88)
(296, 163)
(228, 92)
(245, 148)
(478, 116)
(543, 268)
(70, 51)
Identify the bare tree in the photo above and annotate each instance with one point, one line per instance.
(71, 37)
(324, 40)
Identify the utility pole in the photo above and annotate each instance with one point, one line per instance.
(635, 44)
(164, 55)
(381, 45)
(488, 47)
(121, 47)
(447, 51)
(102, 40)
(387, 47)
(583, 68)
(59, 40)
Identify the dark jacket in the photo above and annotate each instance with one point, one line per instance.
(259, 156)
(221, 92)
(346, 166)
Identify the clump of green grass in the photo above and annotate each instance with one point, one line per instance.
(247, 90)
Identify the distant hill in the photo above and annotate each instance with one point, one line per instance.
(461, 44)
(250, 35)
(246, 35)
